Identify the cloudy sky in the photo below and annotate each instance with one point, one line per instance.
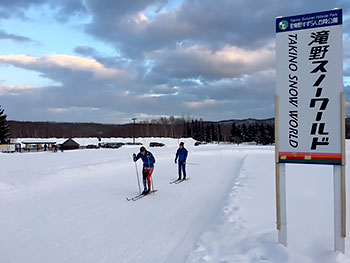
(111, 60)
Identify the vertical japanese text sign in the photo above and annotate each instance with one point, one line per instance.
(309, 69)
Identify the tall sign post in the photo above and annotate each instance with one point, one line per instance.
(309, 106)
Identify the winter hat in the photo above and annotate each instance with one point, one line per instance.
(142, 149)
(181, 143)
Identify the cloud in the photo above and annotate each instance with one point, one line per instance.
(249, 23)
(211, 59)
(16, 38)
(215, 98)
(201, 104)
(255, 86)
(84, 83)
(121, 8)
(136, 27)
(16, 90)
(199, 61)
(64, 9)
(165, 89)
(74, 64)
(347, 72)
(67, 9)
(18, 7)
(58, 110)
(85, 51)
(106, 59)
(71, 109)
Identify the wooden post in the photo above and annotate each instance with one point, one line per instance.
(343, 163)
(339, 241)
(343, 199)
(281, 207)
(277, 167)
(339, 191)
(282, 232)
(278, 195)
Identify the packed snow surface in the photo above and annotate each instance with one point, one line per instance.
(71, 207)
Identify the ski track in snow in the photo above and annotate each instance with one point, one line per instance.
(249, 243)
(245, 230)
(70, 208)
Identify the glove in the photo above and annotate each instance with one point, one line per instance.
(134, 155)
(175, 161)
(149, 156)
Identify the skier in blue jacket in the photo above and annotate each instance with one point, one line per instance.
(148, 167)
(181, 153)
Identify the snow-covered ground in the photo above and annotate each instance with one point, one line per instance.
(70, 207)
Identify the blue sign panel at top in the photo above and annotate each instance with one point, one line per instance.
(314, 20)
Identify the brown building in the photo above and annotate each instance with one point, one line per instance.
(70, 145)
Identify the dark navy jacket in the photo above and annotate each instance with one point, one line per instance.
(147, 163)
(182, 154)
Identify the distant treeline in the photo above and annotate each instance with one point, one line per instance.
(261, 131)
(236, 131)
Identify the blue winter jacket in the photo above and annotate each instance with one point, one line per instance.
(182, 154)
(147, 162)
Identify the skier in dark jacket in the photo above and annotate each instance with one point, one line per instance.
(181, 153)
(148, 167)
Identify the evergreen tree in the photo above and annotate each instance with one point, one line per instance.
(240, 134)
(214, 134)
(251, 132)
(234, 130)
(234, 136)
(244, 130)
(4, 127)
(208, 137)
(261, 136)
(220, 136)
(271, 133)
(202, 131)
(196, 131)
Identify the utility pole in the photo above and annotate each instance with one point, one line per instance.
(133, 141)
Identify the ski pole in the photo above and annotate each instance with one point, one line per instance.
(137, 175)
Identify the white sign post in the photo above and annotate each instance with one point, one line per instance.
(310, 114)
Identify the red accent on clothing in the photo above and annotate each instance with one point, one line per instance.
(149, 171)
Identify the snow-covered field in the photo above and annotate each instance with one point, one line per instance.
(70, 207)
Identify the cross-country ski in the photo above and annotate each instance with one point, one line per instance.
(174, 181)
(182, 180)
(137, 197)
(134, 197)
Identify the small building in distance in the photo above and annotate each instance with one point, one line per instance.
(70, 144)
(38, 145)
